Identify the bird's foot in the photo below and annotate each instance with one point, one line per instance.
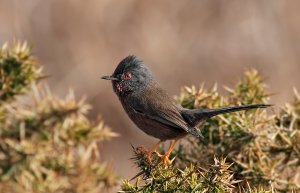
(147, 153)
(148, 156)
(165, 158)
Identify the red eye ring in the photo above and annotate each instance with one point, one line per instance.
(126, 76)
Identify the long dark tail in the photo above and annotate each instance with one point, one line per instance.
(195, 116)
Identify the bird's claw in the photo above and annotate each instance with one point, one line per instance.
(149, 155)
(165, 158)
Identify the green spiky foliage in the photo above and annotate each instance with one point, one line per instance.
(154, 177)
(159, 178)
(17, 70)
(262, 146)
(47, 144)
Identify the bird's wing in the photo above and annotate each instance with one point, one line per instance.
(155, 104)
(167, 116)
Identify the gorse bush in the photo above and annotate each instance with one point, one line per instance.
(261, 146)
(47, 144)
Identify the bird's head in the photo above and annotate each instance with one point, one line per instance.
(131, 75)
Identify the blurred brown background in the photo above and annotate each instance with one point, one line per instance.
(183, 42)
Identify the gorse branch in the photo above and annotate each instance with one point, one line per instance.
(161, 178)
(18, 69)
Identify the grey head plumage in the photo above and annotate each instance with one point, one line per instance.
(130, 75)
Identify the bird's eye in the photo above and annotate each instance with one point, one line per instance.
(126, 76)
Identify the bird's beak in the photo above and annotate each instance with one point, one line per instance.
(109, 78)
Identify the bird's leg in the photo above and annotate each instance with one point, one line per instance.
(167, 154)
(151, 150)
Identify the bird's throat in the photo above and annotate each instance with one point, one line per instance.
(121, 89)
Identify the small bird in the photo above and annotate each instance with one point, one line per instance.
(153, 111)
